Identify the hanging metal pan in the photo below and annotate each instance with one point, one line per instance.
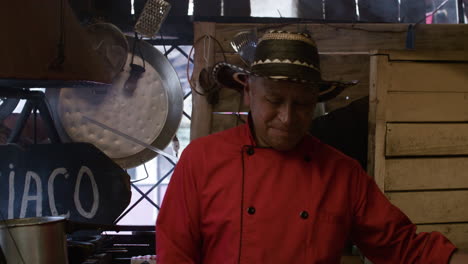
(151, 113)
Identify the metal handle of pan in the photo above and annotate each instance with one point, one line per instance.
(2, 257)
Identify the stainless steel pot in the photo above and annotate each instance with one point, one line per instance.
(39, 240)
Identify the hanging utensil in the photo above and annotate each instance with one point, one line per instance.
(245, 43)
(136, 71)
(153, 15)
(151, 113)
(135, 74)
(110, 43)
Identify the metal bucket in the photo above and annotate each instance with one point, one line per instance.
(39, 240)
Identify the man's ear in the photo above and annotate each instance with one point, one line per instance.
(241, 78)
(244, 80)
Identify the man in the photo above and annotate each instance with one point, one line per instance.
(266, 192)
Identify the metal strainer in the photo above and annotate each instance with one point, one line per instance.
(244, 43)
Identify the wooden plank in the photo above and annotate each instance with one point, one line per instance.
(426, 139)
(377, 119)
(426, 174)
(427, 107)
(456, 233)
(432, 207)
(378, 11)
(360, 37)
(425, 55)
(428, 77)
(201, 110)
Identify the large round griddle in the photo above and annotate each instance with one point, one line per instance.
(109, 105)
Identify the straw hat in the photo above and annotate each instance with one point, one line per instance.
(283, 56)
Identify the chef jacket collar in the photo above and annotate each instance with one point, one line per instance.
(303, 148)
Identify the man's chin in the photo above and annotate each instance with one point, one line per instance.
(286, 146)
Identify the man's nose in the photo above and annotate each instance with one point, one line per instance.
(285, 114)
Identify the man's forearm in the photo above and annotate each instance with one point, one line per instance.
(459, 257)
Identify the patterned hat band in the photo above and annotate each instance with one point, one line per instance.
(285, 61)
(284, 35)
(296, 72)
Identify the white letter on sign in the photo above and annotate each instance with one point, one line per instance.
(38, 197)
(78, 205)
(53, 208)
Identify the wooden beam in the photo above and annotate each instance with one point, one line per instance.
(426, 139)
(360, 37)
(377, 119)
(428, 77)
(438, 55)
(204, 58)
(427, 107)
(432, 207)
(426, 174)
(427, 87)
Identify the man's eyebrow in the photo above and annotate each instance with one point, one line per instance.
(272, 89)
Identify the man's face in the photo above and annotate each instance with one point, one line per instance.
(281, 111)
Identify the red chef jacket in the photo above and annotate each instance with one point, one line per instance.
(232, 202)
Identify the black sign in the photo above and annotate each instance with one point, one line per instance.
(75, 180)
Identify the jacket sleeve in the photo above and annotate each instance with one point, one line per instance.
(178, 239)
(386, 235)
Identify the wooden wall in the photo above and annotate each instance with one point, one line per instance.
(344, 51)
(418, 137)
